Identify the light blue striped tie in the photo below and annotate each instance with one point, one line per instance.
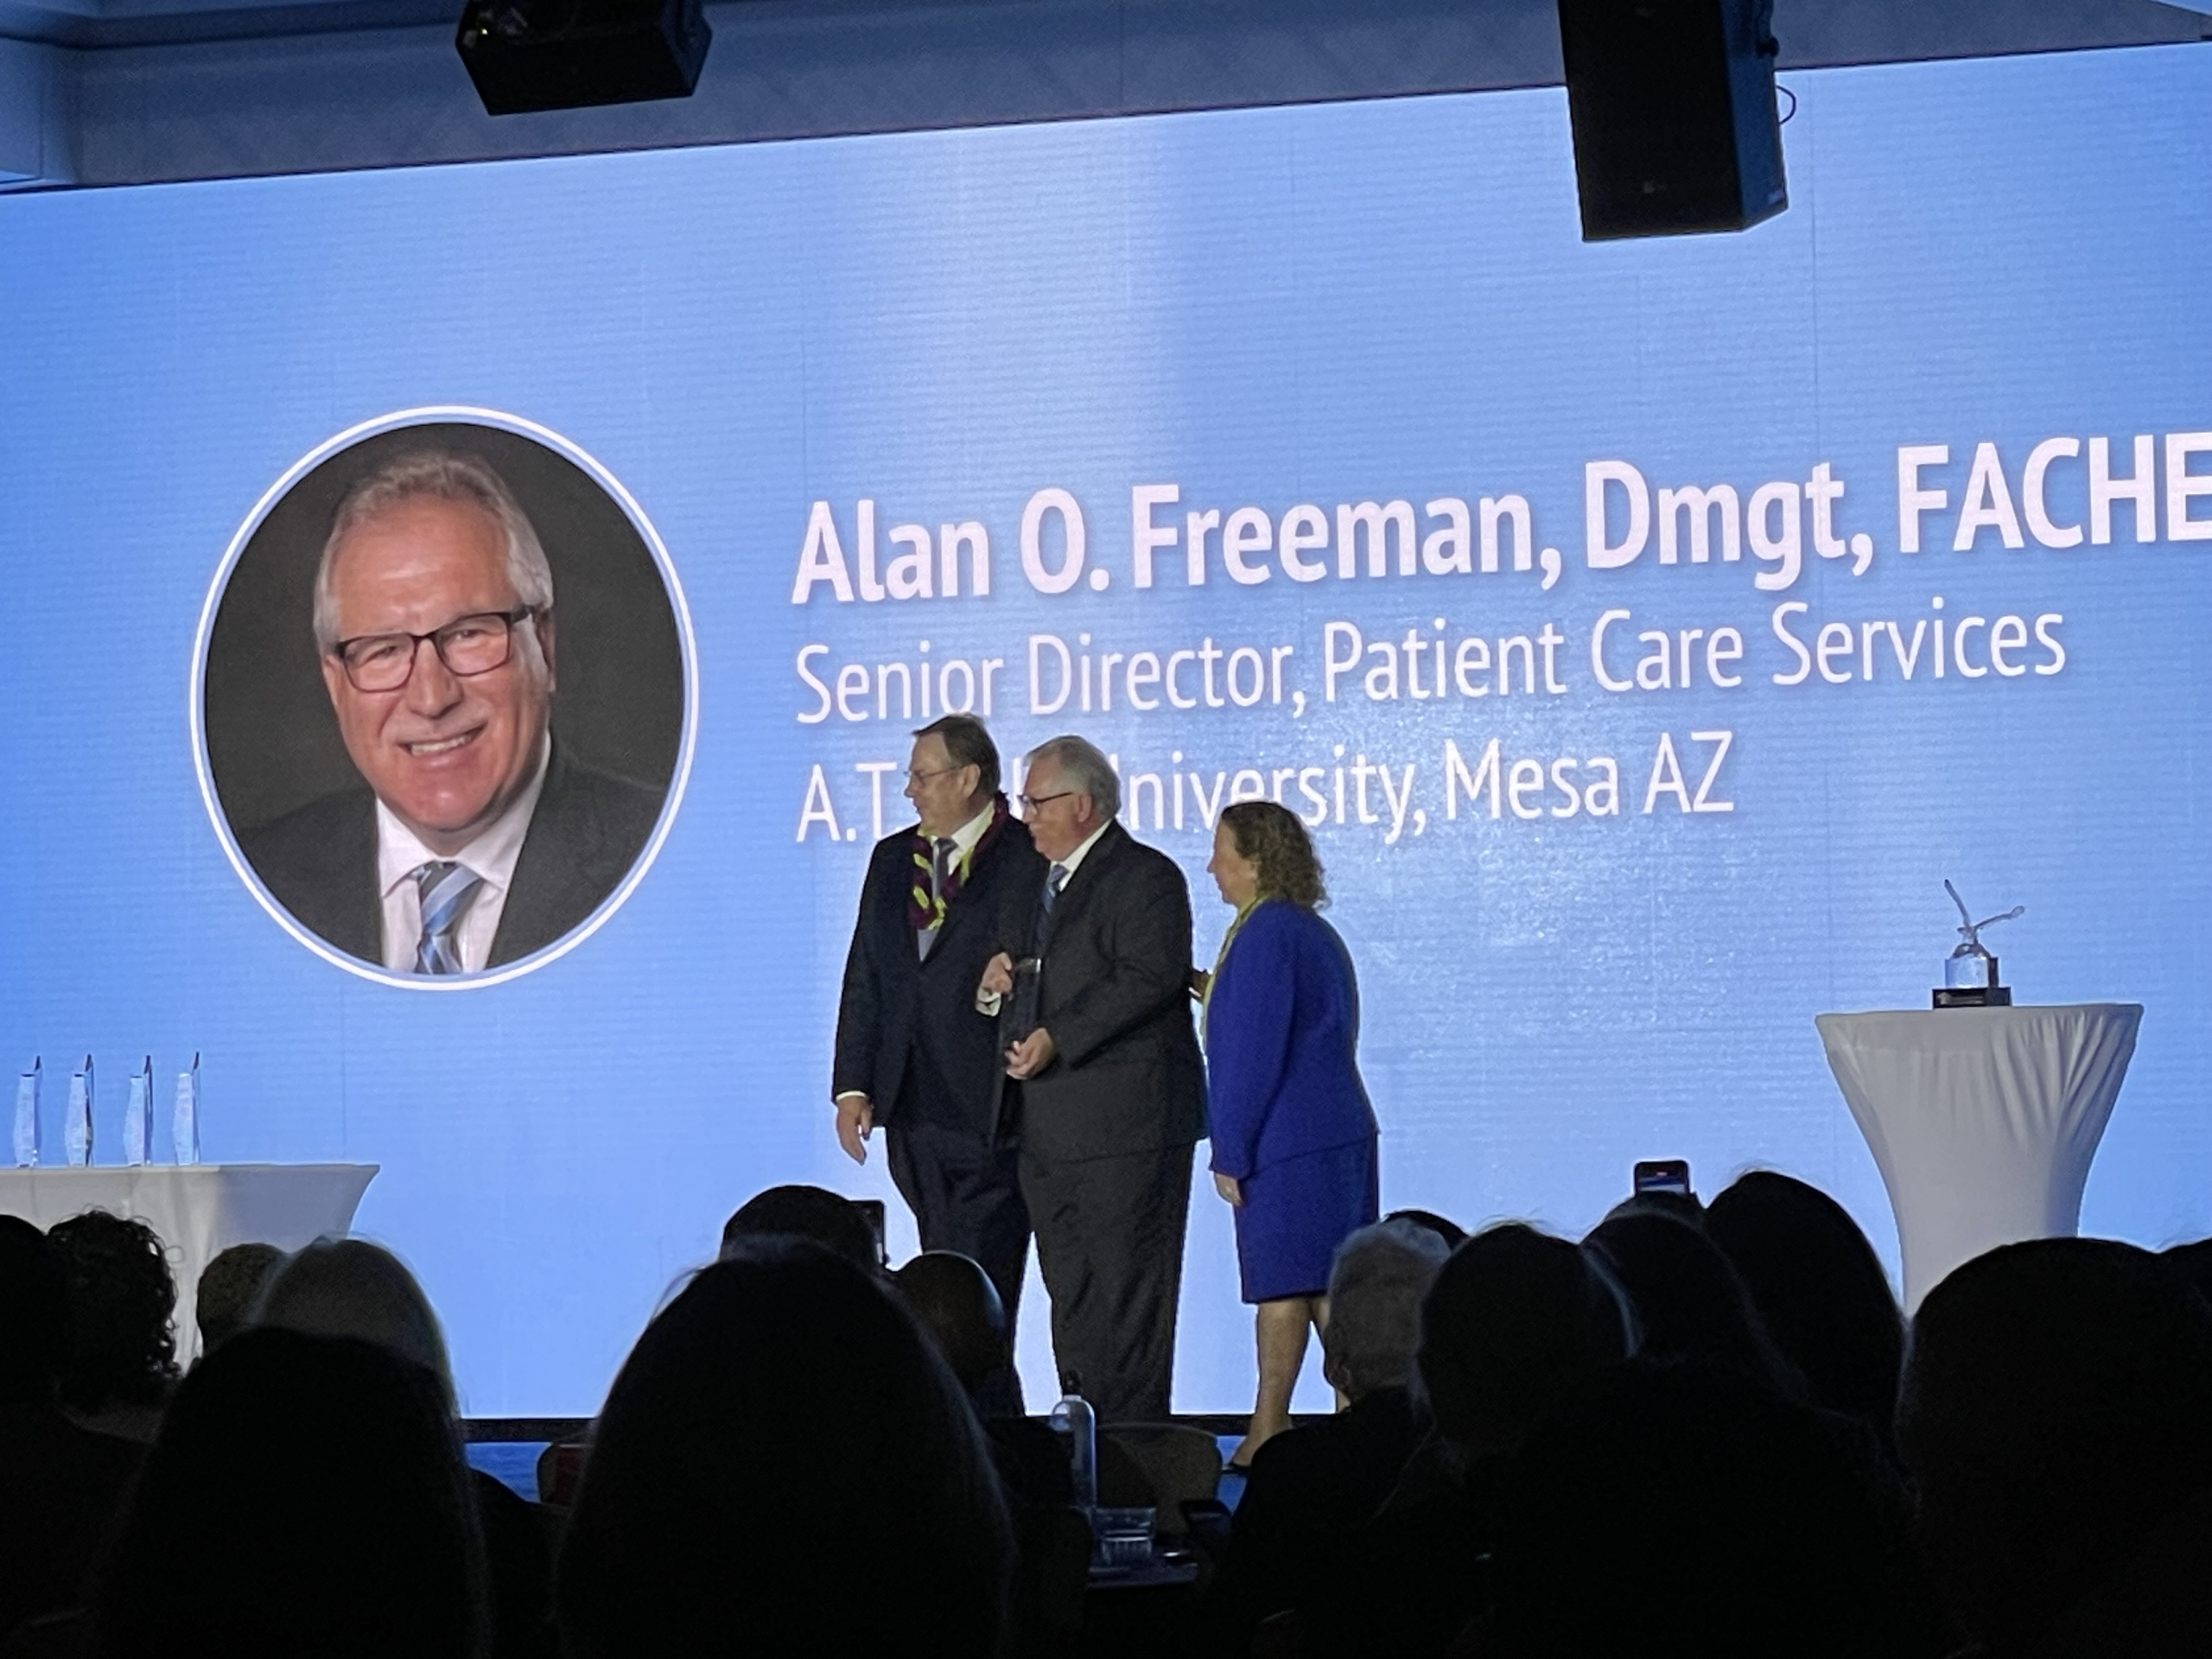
(446, 888)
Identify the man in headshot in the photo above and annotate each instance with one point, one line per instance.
(1102, 1065)
(913, 1055)
(472, 839)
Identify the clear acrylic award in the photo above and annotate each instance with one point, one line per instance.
(187, 1121)
(1970, 978)
(27, 1115)
(138, 1116)
(77, 1122)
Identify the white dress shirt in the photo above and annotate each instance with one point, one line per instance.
(491, 855)
(965, 837)
(1074, 860)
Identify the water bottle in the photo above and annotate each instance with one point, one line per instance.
(1074, 1418)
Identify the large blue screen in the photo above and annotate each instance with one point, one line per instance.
(1649, 629)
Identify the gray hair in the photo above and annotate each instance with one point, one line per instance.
(350, 1287)
(1376, 1287)
(1088, 771)
(444, 475)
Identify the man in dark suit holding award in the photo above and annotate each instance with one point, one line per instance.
(1092, 987)
(913, 1055)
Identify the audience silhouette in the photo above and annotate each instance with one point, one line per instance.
(351, 1287)
(59, 1482)
(809, 1212)
(1819, 1290)
(305, 1497)
(120, 1361)
(2056, 1417)
(784, 1454)
(1687, 1508)
(1702, 1430)
(229, 1285)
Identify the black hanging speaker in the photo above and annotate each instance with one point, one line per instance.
(1673, 107)
(567, 54)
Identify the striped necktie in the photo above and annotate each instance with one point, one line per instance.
(941, 853)
(1054, 879)
(446, 888)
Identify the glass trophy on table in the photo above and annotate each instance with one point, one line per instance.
(1970, 976)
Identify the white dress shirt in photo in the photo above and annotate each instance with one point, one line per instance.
(492, 856)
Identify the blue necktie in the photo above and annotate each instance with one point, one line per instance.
(1054, 878)
(446, 888)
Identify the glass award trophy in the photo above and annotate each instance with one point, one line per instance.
(76, 1122)
(187, 1121)
(1970, 979)
(27, 1115)
(138, 1115)
(1021, 1001)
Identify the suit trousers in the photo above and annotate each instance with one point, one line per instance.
(966, 1195)
(1110, 1243)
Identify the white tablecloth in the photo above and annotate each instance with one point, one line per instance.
(1983, 1119)
(198, 1211)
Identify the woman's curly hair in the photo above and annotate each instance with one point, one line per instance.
(122, 1346)
(1274, 838)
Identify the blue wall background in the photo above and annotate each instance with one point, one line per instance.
(1318, 305)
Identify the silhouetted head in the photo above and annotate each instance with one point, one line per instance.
(1690, 1302)
(1376, 1287)
(350, 1287)
(1819, 1291)
(959, 1306)
(2057, 1405)
(1685, 1509)
(122, 1347)
(2193, 1261)
(1449, 1231)
(305, 1499)
(229, 1285)
(1515, 1319)
(808, 1212)
(33, 1312)
(785, 1455)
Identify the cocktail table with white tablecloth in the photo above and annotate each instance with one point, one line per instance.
(1983, 1121)
(199, 1210)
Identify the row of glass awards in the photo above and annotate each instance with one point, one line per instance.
(138, 1116)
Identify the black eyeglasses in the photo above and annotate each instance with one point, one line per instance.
(468, 645)
(1031, 802)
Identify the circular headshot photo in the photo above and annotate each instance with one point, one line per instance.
(444, 697)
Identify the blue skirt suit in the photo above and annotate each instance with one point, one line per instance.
(1290, 1121)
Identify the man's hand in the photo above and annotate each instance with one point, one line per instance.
(855, 1122)
(1227, 1186)
(998, 976)
(1031, 1055)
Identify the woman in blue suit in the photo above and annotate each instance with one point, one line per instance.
(1293, 1135)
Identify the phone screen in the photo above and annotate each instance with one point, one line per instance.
(1663, 1175)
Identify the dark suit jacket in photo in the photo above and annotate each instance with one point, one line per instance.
(1114, 993)
(898, 1009)
(320, 862)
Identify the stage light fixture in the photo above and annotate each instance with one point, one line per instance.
(527, 55)
(1672, 103)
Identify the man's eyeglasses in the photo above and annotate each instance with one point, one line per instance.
(1031, 802)
(918, 779)
(468, 645)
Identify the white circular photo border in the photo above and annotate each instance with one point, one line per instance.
(196, 692)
